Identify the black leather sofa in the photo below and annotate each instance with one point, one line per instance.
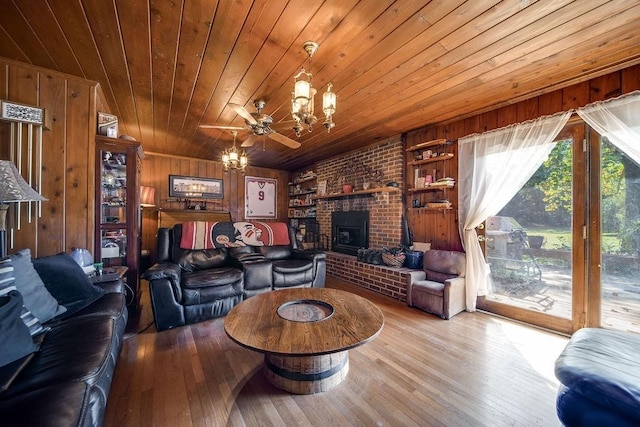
(67, 381)
(193, 285)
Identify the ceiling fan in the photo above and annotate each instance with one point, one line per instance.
(258, 123)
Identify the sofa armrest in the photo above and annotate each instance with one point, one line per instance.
(454, 296)
(111, 287)
(164, 270)
(308, 254)
(413, 277)
(319, 264)
(167, 308)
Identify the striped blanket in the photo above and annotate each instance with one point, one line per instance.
(209, 235)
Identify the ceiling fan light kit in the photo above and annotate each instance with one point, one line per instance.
(303, 98)
(302, 110)
(232, 159)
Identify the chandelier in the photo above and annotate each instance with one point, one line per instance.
(302, 98)
(231, 159)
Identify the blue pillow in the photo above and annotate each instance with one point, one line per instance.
(14, 334)
(7, 285)
(67, 282)
(36, 297)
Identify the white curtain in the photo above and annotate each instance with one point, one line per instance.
(619, 120)
(493, 166)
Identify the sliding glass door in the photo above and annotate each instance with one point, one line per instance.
(564, 253)
(614, 285)
(530, 245)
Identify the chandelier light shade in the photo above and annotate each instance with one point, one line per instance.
(303, 98)
(232, 159)
(147, 196)
(329, 101)
(13, 189)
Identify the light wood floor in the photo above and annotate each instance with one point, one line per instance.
(473, 370)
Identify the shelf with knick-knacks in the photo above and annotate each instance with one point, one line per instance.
(302, 204)
(427, 163)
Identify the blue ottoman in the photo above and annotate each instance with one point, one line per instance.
(600, 374)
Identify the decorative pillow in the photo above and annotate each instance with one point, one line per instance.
(14, 334)
(7, 285)
(67, 282)
(36, 297)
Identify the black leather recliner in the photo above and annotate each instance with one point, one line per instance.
(189, 286)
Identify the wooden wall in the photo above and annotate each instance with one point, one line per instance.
(68, 166)
(156, 169)
(68, 217)
(429, 226)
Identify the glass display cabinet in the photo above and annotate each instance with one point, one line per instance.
(118, 210)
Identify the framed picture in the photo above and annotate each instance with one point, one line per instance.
(195, 188)
(260, 197)
(322, 188)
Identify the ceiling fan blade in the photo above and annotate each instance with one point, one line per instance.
(249, 141)
(280, 125)
(223, 127)
(284, 140)
(242, 112)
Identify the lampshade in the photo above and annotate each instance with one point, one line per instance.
(329, 101)
(147, 196)
(13, 188)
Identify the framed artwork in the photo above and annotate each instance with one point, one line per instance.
(260, 197)
(322, 188)
(194, 187)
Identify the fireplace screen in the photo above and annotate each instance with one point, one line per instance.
(349, 231)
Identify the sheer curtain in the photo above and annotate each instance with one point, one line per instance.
(493, 166)
(619, 120)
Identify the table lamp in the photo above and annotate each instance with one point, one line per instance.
(13, 189)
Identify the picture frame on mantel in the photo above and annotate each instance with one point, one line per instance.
(260, 197)
(191, 187)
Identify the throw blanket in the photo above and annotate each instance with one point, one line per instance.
(233, 234)
(197, 235)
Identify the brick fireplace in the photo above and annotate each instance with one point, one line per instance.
(385, 209)
(385, 213)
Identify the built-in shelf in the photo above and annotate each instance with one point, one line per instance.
(427, 144)
(424, 208)
(418, 190)
(360, 193)
(302, 193)
(301, 206)
(445, 156)
(300, 181)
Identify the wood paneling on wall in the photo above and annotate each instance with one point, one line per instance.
(432, 226)
(156, 169)
(68, 156)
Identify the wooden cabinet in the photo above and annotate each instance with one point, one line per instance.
(117, 238)
(429, 179)
(302, 206)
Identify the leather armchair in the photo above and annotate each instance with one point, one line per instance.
(440, 287)
(189, 286)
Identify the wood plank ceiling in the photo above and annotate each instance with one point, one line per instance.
(166, 67)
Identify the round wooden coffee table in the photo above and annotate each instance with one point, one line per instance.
(305, 334)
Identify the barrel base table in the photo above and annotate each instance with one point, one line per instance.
(305, 334)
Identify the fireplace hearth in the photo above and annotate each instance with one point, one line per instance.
(349, 231)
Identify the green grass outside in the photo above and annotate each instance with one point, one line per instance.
(561, 239)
